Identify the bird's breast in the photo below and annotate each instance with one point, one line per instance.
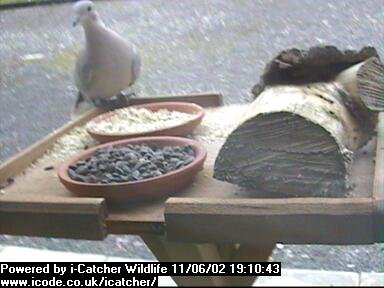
(109, 80)
(110, 58)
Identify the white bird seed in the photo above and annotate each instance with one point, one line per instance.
(139, 120)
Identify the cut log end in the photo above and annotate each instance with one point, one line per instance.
(370, 84)
(312, 109)
(284, 153)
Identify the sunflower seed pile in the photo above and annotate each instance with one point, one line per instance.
(130, 163)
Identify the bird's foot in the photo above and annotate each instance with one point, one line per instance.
(123, 98)
(119, 101)
(104, 104)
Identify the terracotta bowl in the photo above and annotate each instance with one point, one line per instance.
(146, 189)
(178, 130)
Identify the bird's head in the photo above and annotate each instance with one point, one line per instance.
(84, 12)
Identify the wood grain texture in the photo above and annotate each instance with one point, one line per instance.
(360, 98)
(148, 217)
(18, 163)
(263, 221)
(30, 207)
(250, 253)
(378, 186)
(297, 140)
(365, 83)
(36, 204)
(210, 99)
(370, 84)
(36, 196)
(62, 218)
(166, 251)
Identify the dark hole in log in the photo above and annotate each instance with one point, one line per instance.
(324, 98)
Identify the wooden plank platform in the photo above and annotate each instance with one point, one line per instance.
(36, 204)
(358, 219)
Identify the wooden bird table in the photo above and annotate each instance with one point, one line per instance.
(209, 221)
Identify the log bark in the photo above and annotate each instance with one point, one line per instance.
(316, 64)
(295, 140)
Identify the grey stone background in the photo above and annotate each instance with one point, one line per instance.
(186, 46)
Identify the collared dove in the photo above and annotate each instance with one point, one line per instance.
(107, 65)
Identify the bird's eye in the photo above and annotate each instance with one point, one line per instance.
(89, 8)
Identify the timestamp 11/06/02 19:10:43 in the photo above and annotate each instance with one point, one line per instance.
(229, 269)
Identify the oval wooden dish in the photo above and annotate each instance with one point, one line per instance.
(177, 130)
(146, 189)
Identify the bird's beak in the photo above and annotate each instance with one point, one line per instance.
(76, 21)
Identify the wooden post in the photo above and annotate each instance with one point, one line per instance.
(179, 252)
(244, 253)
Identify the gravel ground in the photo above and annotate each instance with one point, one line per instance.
(186, 46)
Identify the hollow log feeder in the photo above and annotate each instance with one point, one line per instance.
(299, 135)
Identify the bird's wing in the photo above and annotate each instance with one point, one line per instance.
(83, 74)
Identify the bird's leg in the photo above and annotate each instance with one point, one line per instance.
(81, 106)
(80, 99)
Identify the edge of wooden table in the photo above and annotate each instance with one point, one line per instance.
(66, 217)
